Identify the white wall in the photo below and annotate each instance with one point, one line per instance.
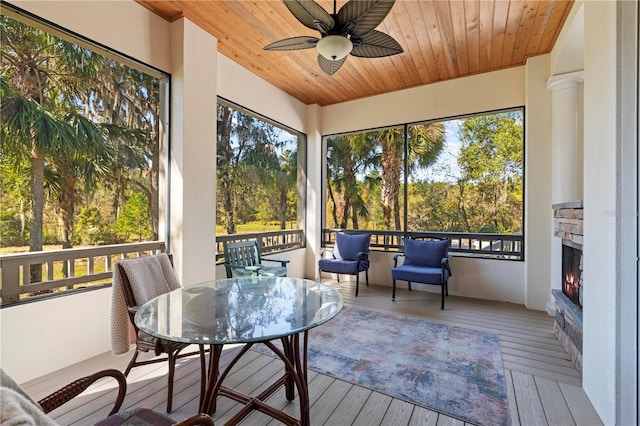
(246, 89)
(538, 222)
(124, 26)
(599, 340)
(41, 337)
(487, 279)
(484, 92)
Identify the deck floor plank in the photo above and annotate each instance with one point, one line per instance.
(373, 411)
(581, 409)
(553, 403)
(543, 387)
(398, 413)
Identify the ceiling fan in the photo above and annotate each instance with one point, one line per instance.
(350, 30)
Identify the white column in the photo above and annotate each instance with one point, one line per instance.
(564, 136)
(193, 151)
(565, 175)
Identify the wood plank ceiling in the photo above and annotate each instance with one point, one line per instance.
(442, 40)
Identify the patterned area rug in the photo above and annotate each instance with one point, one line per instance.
(451, 370)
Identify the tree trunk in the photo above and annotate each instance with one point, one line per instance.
(226, 181)
(37, 207)
(355, 218)
(461, 206)
(345, 213)
(390, 179)
(67, 203)
(283, 206)
(154, 195)
(334, 209)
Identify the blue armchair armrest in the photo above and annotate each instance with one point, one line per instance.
(396, 257)
(445, 264)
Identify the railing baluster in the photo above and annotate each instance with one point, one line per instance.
(14, 266)
(496, 246)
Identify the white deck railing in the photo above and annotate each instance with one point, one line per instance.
(96, 266)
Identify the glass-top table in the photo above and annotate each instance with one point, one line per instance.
(245, 310)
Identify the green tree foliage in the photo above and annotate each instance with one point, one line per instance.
(133, 221)
(257, 171)
(483, 194)
(491, 161)
(90, 227)
(75, 124)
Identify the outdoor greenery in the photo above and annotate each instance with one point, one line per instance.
(463, 175)
(79, 159)
(257, 170)
(80, 144)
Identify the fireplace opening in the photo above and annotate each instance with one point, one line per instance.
(572, 273)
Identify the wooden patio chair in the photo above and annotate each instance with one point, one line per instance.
(243, 259)
(19, 408)
(143, 341)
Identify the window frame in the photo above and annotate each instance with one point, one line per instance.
(327, 234)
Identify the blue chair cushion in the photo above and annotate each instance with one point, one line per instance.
(425, 253)
(348, 246)
(339, 266)
(419, 274)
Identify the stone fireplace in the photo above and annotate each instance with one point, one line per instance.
(568, 225)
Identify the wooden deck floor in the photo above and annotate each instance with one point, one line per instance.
(544, 387)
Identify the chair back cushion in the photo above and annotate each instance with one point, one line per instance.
(150, 276)
(348, 246)
(425, 253)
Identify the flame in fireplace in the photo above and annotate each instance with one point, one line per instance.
(571, 285)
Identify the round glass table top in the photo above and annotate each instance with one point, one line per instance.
(239, 310)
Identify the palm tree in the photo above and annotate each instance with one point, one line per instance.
(350, 157)
(86, 165)
(42, 77)
(425, 143)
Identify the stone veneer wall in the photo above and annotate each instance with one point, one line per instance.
(568, 327)
(568, 225)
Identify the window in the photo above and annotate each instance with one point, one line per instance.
(82, 146)
(260, 185)
(460, 178)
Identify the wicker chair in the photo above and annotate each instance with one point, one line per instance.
(18, 406)
(146, 343)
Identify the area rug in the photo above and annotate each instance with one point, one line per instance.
(451, 370)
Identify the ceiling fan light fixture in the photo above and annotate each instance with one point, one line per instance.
(334, 47)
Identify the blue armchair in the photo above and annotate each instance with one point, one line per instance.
(350, 256)
(425, 262)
